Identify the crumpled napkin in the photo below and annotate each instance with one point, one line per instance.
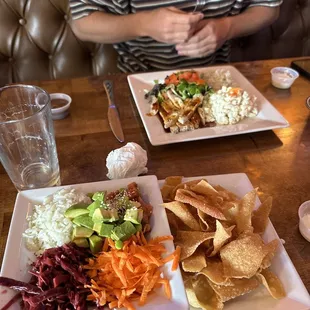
(127, 161)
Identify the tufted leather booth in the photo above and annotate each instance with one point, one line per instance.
(36, 41)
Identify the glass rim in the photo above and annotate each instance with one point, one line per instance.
(29, 87)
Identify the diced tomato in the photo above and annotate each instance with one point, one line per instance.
(201, 82)
(195, 76)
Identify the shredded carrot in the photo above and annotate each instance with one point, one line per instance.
(176, 259)
(119, 277)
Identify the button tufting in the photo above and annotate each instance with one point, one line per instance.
(22, 22)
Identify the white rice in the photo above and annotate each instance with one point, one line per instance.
(48, 227)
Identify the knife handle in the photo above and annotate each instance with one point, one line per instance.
(108, 86)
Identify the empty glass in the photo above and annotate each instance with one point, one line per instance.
(27, 143)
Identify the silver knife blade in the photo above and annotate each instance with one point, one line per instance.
(113, 116)
(115, 123)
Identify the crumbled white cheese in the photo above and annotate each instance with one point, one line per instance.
(229, 106)
(48, 227)
(127, 161)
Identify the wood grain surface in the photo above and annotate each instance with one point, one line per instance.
(275, 161)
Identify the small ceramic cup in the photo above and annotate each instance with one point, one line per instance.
(283, 77)
(303, 210)
(60, 105)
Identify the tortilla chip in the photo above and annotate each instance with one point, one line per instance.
(191, 296)
(190, 240)
(195, 200)
(243, 257)
(260, 217)
(173, 180)
(182, 212)
(270, 250)
(239, 287)
(222, 235)
(214, 271)
(166, 191)
(244, 217)
(206, 297)
(196, 262)
(272, 283)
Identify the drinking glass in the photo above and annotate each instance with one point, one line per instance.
(27, 143)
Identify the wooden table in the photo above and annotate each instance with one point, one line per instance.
(275, 161)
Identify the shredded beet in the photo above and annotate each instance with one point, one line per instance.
(57, 280)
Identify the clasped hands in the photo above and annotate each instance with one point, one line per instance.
(192, 35)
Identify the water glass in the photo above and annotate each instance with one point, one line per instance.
(27, 142)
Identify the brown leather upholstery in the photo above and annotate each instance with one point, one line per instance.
(36, 41)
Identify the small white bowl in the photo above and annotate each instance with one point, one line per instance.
(303, 210)
(283, 77)
(63, 110)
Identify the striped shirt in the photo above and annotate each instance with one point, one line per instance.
(146, 54)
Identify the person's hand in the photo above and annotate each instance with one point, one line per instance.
(169, 25)
(209, 36)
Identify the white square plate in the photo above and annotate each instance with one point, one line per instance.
(16, 255)
(267, 118)
(297, 296)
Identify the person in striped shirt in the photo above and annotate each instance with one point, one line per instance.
(170, 34)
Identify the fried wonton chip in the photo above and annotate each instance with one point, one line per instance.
(261, 216)
(214, 271)
(195, 262)
(270, 251)
(182, 186)
(226, 194)
(191, 296)
(239, 287)
(244, 217)
(173, 180)
(206, 189)
(222, 235)
(190, 240)
(272, 283)
(182, 211)
(206, 296)
(166, 191)
(196, 201)
(242, 257)
(206, 222)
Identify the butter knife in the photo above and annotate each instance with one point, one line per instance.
(113, 116)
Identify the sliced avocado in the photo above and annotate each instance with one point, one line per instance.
(99, 196)
(138, 227)
(81, 232)
(103, 215)
(76, 210)
(83, 220)
(95, 243)
(119, 244)
(123, 231)
(81, 242)
(93, 206)
(134, 215)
